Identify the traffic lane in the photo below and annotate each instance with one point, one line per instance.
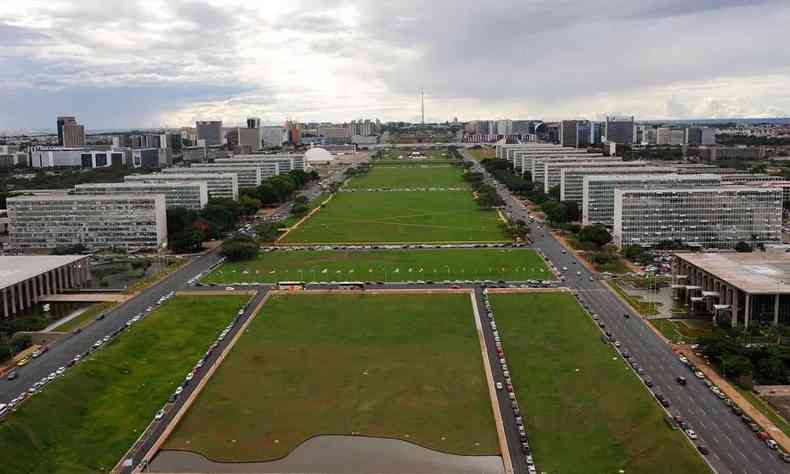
(158, 427)
(503, 401)
(707, 414)
(60, 353)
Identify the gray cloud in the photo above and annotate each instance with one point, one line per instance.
(328, 58)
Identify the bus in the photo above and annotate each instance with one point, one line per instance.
(290, 285)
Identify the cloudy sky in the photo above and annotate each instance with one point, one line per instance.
(147, 63)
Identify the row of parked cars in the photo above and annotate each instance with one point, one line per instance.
(200, 363)
(507, 384)
(735, 409)
(609, 338)
(6, 408)
(195, 280)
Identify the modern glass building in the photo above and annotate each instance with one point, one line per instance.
(189, 195)
(703, 217)
(598, 199)
(128, 221)
(220, 185)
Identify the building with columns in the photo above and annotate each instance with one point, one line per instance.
(24, 279)
(749, 288)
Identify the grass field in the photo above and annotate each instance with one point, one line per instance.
(482, 153)
(401, 366)
(380, 265)
(85, 317)
(86, 420)
(585, 410)
(410, 177)
(403, 154)
(400, 217)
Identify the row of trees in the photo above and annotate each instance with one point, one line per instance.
(187, 229)
(767, 364)
(487, 197)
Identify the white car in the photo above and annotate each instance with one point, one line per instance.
(699, 375)
(179, 390)
(160, 414)
(189, 376)
(691, 434)
(499, 385)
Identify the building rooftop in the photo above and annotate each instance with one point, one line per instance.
(651, 177)
(755, 273)
(16, 269)
(85, 197)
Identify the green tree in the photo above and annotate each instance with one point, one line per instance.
(240, 248)
(573, 211)
(249, 205)
(186, 241)
(595, 234)
(555, 211)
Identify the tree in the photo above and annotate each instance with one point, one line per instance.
(633, 252)
(595, 234)
(555, 211)
(240, 248)
(186, 241)
(743, 247)
(555, 192)
(266, 232)
(249, 205)
(573, 211)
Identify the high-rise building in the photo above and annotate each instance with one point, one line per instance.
(572, 179)
(248, 140)
(569, 133)
(598, 194)
(62, 121)
(620, 130)
(717, 217)
(504, 127)
(128, 221)
(210, 132)
(189, 195)
(700, 136)
(274, 135)
(248, 176)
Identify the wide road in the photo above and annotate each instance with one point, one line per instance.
(63, 351)
(733, 447)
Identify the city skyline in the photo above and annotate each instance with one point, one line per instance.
(151, 64)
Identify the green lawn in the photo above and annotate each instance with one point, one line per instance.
(585, 411)
(86, 420)
(401, 366)
(400, 217)
(402, 155)
(410, 177)
(443, 264)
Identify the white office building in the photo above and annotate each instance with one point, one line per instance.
(703, 217)
(220, 185)
(572, 179)
(598, 194)
(128, 221)
(54, 157)
(270, 165)
(748, 179)
(538, 171)
(248, 176)
(522, 160)
(552, 170)
(189, 195)
(274, 135)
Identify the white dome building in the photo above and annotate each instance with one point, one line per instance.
(318, 157)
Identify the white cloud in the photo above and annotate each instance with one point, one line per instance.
(337, 60)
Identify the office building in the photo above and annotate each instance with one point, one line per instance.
(274, 136)
(522, 159)
(714, 153)
(701, 217)
(253, 122)
(70, 133)
(598, 190)
(122, 221)
(620, 130)
(569, 133)
(700, 136)
(572, 179)
(56, 157)
(538, 171)
(276, 164)
(502, 148)
(745, 178)
(61, 122)
(552, 170)
(220, 185)
(249, 176)
(248, 140)
(747, 288)
(26, 279)
(150, 158)
(210, 132)
(189, 195)
(670, 136)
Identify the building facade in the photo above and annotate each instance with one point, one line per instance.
(620, 130)
(523, 160)
(538, 171)
(219, 185)
(248, 176)
(702, 217)
(210, 132)
(598, 191)
(26, 279)
(189, 195)
(55, 157)
(572, 179)
(552, 170)
(127, 221)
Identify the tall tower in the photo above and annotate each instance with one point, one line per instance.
(422, 106)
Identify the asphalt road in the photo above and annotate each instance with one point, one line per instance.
(517, 457)
(63, 351)
(733, 447)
